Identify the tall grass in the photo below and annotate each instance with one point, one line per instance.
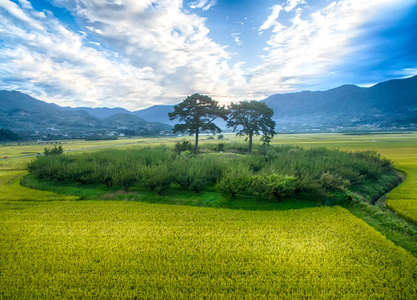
(270, 172)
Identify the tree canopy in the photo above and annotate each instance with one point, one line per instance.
(252, 118)
(7, 135)
(196, 114)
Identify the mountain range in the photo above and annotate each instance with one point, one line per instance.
(388, 105)
(22, 113)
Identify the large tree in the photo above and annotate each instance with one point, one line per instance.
(252, 118)
(196, 114)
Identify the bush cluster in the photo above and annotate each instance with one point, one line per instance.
(269, 172)
(53, 151)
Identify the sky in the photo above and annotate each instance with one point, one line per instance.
(138, 53)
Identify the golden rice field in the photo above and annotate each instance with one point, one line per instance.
(57, 247)
(11, 189)
(113, 250)
(404, 199)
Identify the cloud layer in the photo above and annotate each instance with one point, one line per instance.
(135, 54)
(143, 53)
(321, 46)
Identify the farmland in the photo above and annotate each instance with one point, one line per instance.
(55, 246)
(399, 148)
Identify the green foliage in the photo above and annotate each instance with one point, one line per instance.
(236, 180)
(274, 186)
(199, 178)
(157, 178)
(220, 147)
(266, 140)
(273, 173)
(252, 118)
(196, 114)
(82, 172)
(7, 135)
(127, 177)
(106, 174)
(220, 137)
(182, 146)
(333, 182)
(53, 151)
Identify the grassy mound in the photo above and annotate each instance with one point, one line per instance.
(271, 173)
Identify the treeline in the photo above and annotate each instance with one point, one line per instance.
(7, 135)
(269, 172)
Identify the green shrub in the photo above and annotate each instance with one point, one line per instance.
(338, 198)
(82, 171)
(180, 171)
(157, 178)
(53, 151)
(219, 147)
(276, 172)
(184, 145)
(274, 186)
(333, 182)
(127, 177)
(105, 174)
(236, 179)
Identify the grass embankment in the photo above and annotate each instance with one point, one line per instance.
(174, 196)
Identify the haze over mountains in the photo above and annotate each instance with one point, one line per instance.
(390, 105)
(24, 114)
(387, 105)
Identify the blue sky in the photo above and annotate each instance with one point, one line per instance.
(138, 53)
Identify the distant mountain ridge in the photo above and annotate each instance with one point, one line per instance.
(23, 113)
(388, 105)
(156, 113)
(101, 112)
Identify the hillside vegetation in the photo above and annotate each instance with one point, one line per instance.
(273, 173)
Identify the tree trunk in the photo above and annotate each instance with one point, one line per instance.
(250, 142)
(196, 142)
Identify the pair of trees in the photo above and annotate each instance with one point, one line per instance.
(197, 112)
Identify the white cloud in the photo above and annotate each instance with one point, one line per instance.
(291, 4)
(203, 4)
(158, 54)
(271, 21)
(236, 38)
(138, 53)
(14, 10)
(311, 46)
